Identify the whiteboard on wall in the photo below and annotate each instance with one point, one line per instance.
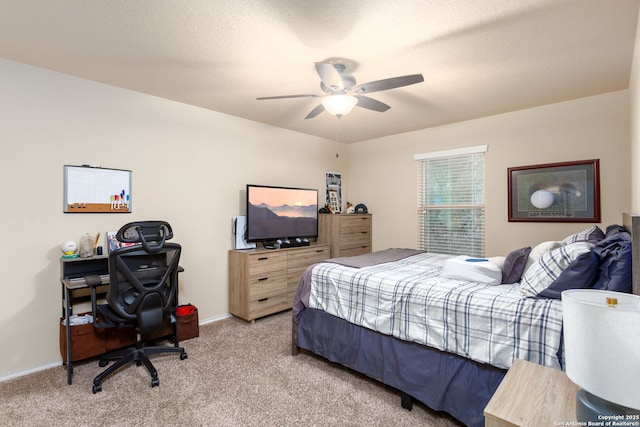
(90, 189)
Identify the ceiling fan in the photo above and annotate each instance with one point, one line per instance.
(341, 93)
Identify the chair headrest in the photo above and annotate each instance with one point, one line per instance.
(151, 234)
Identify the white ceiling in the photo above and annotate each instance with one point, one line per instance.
(478, 57)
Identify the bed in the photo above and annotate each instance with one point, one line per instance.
(444, 329)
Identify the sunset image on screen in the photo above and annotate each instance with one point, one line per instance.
(285, 201)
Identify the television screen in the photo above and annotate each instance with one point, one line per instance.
(281, 213)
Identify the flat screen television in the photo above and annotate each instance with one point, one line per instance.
(281, 213)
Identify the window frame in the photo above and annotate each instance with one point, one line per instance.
(454, 212)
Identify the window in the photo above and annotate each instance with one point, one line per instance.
(451, 201)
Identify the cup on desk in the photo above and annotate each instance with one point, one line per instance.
(98, 250)
(86, 246)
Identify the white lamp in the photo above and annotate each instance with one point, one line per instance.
(339, 105)
(602, 351)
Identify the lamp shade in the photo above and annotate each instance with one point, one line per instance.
(602, 343)
(339, 105)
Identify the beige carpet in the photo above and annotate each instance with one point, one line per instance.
(237, 374)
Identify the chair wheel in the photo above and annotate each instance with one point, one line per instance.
(155, 382)
(183, 356)
(96, 388)
(103, 362)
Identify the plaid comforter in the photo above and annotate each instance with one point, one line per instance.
(409, 300)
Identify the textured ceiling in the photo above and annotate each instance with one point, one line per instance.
(478, 57)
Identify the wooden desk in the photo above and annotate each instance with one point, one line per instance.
(532, 395)
(75, 290)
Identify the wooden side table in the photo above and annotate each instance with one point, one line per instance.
(532, 395)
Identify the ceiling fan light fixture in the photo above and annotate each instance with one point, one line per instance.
(339, 105)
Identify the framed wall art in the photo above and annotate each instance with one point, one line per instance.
(555, 192)
(92, 189)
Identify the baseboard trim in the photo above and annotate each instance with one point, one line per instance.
(30, 371)
(215, 319)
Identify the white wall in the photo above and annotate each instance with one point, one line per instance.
(190, 167)
(383, 172)
(634, 94)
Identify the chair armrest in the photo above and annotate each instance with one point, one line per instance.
(93, 280)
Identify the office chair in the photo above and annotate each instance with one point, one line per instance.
(143, 289)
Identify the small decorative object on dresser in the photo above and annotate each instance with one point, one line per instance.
(334, 201)
(350, 208)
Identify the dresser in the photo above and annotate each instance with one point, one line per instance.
(263, 281)
(347, 234)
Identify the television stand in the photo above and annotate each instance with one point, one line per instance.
(263, 282)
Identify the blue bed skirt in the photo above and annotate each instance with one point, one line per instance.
(442, 381)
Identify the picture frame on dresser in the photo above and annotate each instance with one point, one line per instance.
(334, 201)
(555, 192)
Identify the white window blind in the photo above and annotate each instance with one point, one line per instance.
(451, 201)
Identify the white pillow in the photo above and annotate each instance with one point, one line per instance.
(497, 260)
(472, 270)
(539, 250)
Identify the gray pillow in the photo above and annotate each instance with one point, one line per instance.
(514, 265)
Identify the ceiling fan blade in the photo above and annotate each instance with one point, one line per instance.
(319, 109)
(390, 83)
(330, 76)
(288, 96)
(371, 104)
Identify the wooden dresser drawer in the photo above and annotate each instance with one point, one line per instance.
(356, 224)
(262, 265)
(264, 287)
(352, 240)
(268, 305)
(359, 250)
(304, 258)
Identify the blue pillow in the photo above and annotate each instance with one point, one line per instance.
(615, 261)
(615, 229)
(581, 273)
